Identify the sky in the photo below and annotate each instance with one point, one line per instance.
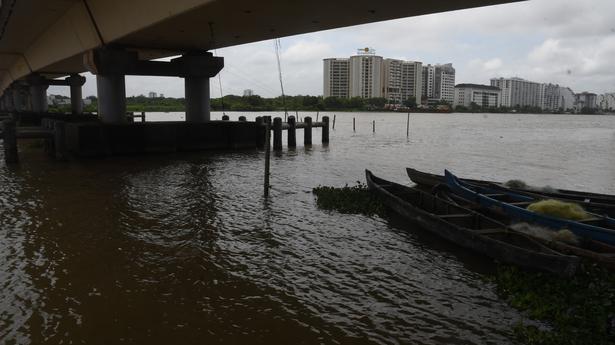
(567, 42)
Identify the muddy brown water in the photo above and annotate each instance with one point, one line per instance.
(183, 249)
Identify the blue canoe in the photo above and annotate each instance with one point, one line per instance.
(599, 228)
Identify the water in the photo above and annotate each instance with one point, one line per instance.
(183, 249)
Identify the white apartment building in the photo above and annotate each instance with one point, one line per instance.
(567, 98)
(517, 92)
(152, 94)
(336, 77)
(550, 98)
(606, 101)
(366, 76)
(392, 80)
(248, 92)
(429, 74)
(444, 83)
(412, 80)
(586, 100)
(482, 95)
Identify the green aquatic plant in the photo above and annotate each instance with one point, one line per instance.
(355, 199)
(579, 309)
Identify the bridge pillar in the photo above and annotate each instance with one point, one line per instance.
(38, 93)
(75, 81)
(196, 69)
(197, 99)
(111, 90)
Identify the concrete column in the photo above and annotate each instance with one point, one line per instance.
(111, 98)
(76, 96)
(18, 100)
(197, 99)
(38, 97)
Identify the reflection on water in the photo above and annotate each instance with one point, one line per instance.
(182, 248)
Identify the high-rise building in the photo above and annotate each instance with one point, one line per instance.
(366, 70)
(444, 83)
(248, 92)
(567, 98)
(336, 77)
(550, 98)
(586, 100)
(411, 80)
(367, 75)
(606, 101)
(439, 83)
(429, 73)
(482, 95)
(517, 92)
(392, 80)
(152, 94)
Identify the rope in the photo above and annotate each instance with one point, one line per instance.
(278, 48)
(212, 42)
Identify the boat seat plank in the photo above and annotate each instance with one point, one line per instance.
(489, 231)
(494, 195)
(455, 215)
(521, 203)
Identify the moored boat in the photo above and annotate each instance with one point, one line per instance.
(470, 229)
(601, 200)
(596, 227)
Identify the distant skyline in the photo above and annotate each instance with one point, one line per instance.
(571, 43)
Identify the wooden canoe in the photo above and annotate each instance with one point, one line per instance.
(597, 228)
(470, 229)
(600, 200)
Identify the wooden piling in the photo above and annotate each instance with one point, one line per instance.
(267, 157)
(225, 117)
(10, 142)
(277, 134)
(59, 140)
(142, 116)
(373, 126)
(408, 125)
(292, 132)
(307, 132)
(354, 127)
(242, 119)
(333, 121)
(325, 129)
(317, 116)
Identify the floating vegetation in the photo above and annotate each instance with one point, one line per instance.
(356, 199)
(579, 310)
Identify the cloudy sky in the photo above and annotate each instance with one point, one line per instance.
(569, 42)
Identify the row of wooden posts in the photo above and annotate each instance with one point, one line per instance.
(277, 126)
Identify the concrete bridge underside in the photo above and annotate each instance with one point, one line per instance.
(50, 37)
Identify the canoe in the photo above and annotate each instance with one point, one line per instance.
(470, 229)
(430, 180)
(597, 228)
(598, 252)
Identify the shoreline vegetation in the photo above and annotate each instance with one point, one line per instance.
(304, 103)
(571, 311)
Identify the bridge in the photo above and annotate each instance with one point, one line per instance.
(42, 40)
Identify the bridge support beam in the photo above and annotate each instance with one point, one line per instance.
(19, 99)
(111, 98)
(75, 82)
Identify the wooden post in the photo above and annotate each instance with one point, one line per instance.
(325, 129)
(307, 132)
(142, 116)
(225, 117)
(373, 126)
(277, 133)
(333, 121)
(59, 140)
(317, 116)
(267, 157)
(10, 142)
(408, 125)
(242, 118)
(292, 132)
(354, 128)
